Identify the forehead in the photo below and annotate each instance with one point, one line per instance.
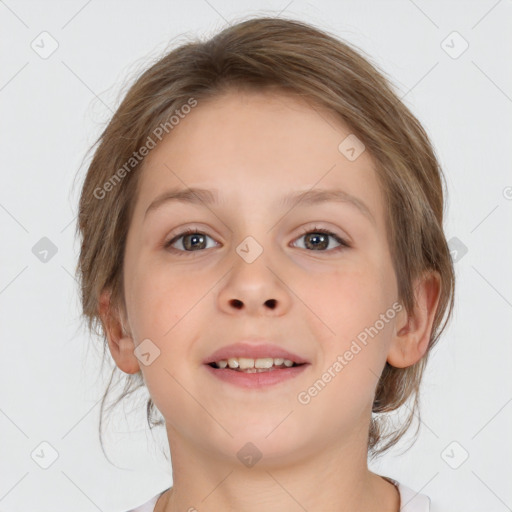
(256, 147)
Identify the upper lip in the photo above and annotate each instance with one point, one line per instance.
(253, 351)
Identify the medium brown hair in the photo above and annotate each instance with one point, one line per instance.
(295, 58)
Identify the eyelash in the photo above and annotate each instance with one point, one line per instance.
(167, 244)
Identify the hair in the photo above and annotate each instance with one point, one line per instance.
(295, 58)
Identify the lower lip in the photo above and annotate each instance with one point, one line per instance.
(258, 379)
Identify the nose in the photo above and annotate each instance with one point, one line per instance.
(238, 304)
(255, 288)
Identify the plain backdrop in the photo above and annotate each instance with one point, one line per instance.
(54, 106)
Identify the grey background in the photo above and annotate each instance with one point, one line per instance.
(53, 108)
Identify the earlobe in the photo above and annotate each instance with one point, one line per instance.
(121, 344)
(411, 340)
(125, 357)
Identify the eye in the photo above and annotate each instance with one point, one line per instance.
(193, 241)
(317, 239)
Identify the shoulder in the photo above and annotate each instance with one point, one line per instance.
(148, 506)
(411, 501)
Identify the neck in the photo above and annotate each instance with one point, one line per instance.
(335, 478)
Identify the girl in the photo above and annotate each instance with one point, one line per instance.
(262, 246)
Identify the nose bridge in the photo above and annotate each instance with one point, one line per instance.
(253, 260)
(254, 235)
(254, 284)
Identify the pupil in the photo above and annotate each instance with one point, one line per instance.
(320, 236)
(194, 237)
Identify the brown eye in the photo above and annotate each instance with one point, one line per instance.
(318, 239)
(188, 241)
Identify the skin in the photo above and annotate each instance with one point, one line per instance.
(256, 147)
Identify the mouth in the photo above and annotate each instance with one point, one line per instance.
(255, 378)
(254, 363)
(250, 365)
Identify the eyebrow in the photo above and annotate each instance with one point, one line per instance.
(202, 196)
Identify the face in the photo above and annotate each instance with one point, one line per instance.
(258, 269)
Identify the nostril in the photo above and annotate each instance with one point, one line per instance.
(236, 303)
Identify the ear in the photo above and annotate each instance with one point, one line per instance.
(121, 345)
(412, 335)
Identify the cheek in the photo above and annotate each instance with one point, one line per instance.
(351, 304)
(348, 305)
(166, 309)
(160, 298)
(343, 298)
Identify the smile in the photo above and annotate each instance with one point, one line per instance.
(255, 373)
(249, 365)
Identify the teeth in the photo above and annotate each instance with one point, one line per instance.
(246, 363)
(232, 362)
(265, 362)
